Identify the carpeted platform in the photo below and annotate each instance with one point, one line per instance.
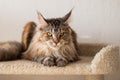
(95, 59)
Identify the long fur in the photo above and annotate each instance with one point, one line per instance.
(39, 49)
(10, 50)
(42, 48)
(44, 43)
(28, 34)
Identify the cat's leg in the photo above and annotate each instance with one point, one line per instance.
(48, 61)
(60, 62)
(45, 60)
(63, 61)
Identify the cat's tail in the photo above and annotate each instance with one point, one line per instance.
(28, 34)
(10, 50)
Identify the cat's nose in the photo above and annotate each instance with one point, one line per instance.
(55, 41)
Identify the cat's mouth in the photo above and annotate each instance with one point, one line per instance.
(56, 45)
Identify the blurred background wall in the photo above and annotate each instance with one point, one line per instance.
(93, 20)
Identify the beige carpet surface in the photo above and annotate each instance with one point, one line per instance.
(95, 59)
(29, 67)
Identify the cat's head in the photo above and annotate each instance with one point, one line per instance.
(56, 32)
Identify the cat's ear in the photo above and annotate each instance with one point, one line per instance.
(67, 17)
(42, 20)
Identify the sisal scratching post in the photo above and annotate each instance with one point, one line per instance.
(94, 77)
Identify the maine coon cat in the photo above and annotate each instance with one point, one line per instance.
(51, 43)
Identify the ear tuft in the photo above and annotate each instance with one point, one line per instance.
(66, 18)
(42, 20)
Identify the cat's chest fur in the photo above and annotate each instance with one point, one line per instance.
(44, 49)
(40, 49)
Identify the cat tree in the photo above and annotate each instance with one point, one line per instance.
(96, 61)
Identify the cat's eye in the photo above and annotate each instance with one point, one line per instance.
(61, 34)
(49, 34)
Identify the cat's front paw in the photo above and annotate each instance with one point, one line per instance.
(48, 61)
(61, 62)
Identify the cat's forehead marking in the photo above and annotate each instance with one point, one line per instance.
(55, 24)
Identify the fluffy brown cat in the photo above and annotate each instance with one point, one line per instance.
(52, 43)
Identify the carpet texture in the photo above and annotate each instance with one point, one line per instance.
(95, 59)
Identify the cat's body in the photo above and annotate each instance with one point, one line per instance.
(52, 42)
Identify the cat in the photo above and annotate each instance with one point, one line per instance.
(52, 43)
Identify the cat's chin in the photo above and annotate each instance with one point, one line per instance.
(55, 46)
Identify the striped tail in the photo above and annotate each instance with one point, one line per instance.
(10, 50)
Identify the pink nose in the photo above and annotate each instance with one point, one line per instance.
(55, 41)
